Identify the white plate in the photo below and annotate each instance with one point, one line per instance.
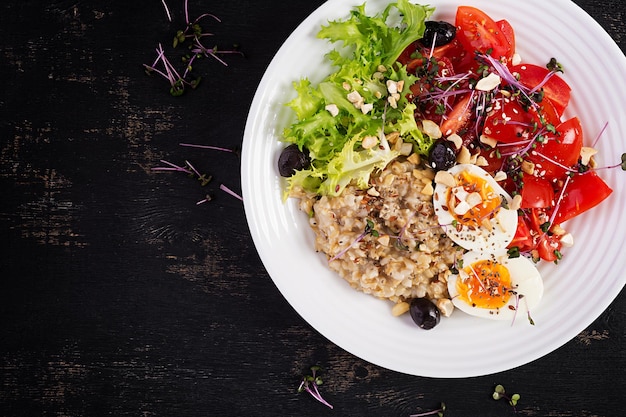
(577, 291)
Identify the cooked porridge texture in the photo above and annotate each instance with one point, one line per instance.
(404, 253)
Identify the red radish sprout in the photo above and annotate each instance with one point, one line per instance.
(231, 192)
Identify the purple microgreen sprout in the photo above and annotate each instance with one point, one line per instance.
(310, 383)
(164, 67)
(231, 192)
(499, 393)
(187, 169)
(369, 230)
(167, 10)
(439, 412)
(215, 148)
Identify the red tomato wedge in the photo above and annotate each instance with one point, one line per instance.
(560, 151)
(583, 192)
(509, 123)
(479, 32)
(536, 193)
(523, 240)
(458, 116)
(508, 32)
(555, 88)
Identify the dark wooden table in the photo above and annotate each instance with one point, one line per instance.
(121, 296)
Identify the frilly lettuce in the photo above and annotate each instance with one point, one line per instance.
(371, 46)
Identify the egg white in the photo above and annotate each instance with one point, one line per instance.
(525, 280)
(481, 239)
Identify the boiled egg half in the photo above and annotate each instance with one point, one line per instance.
(473, 209)
(496, 287)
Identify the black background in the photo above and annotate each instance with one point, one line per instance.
(120, 296)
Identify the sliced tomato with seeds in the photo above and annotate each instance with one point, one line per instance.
(509, 34)
(479, 32)
(523, 239)
(458, 117)
(581, 193)
(555, 88)
(560, 152)
(508, 121)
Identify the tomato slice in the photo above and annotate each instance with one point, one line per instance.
(548, 247)
(582, 192)
(560, 151)
(479, 32)
(523, 240)
(536, 193)
(555, 88)
(458, 117)
(509, 34)
(509, 122)
(462, 60)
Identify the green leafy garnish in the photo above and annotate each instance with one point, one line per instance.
(499, 393)
(356, 102)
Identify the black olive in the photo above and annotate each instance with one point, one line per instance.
(424, 313)
(441, 33)
(292, 159)
(441, 156)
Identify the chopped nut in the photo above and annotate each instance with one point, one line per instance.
(516, 202)
(474, 199)
(500, 176)
(369, 142)
(464, 156)
(445, 178)
(400, 308)
(392, 86)
(481, 161)
(445, 306)
(400, 86)
(431, 129)
(586, 153)
(528, 167)
(461, 208)
(414, 159)
(392, 102)
(486, 223)
(392, 137)
(367, 107)
(406, 149)
(567, 240)
(354, 97)
(373, 192)
(488, 141)
(489, 82)
(332, 109)
(382, 68)
(558, 230)
(428, 189)
(456, 139)
(346, 86)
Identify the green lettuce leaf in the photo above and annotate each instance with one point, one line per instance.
(365, 61)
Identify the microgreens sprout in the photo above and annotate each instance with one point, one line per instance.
(310, 383)
(369, 230)
(499, 393)
(194, 32)
(190, 170)
(231, 192)
(438, 412)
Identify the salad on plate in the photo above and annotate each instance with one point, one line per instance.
(435, 165)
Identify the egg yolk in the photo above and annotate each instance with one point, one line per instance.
(487, 285)
(477, 214)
